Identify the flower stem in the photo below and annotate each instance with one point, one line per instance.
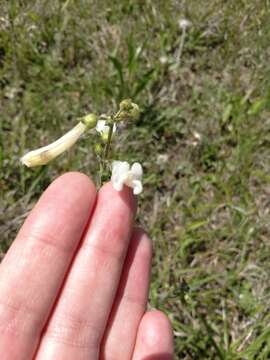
(100, 173)
(104, 157)
(181, 47)
(107, 148)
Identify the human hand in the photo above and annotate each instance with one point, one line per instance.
(74, 284)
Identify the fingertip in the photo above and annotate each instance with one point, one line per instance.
(156, 324)
(155, 337)
(72, 188)
(75, 179)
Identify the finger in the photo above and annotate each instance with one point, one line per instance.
(154, 338)
(34, 268)
(131, 299)
(77, 324)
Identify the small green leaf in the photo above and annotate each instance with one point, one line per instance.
(257, 107)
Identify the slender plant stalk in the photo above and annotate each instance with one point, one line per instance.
(107, 148)
(100, 173)
(181, 47)
(103, 159)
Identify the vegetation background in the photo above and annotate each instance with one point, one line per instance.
(203, 139)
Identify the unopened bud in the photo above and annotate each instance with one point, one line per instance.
(125, 105)
(135, 112)
(98, 149)
(128, 111)
(90, 121)
(105, 136)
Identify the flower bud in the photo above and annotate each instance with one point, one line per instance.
(128, 111)
(125, 105)
(135, 112)
(105, 136)
(90, 121)
(98, 149)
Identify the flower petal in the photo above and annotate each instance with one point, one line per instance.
(120, 167)
(101, 126)
(137, 187)
(123, 174)
(117, 185)
(47, 153)
(137, 171)
(120, 171)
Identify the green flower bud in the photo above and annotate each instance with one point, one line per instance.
(98, 149)
(125, 105)
(105, 136)
(122, 115)
(128, 111)
(90, 121)
(135, 112)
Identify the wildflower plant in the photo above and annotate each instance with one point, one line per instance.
(105, 126)
(184, 25)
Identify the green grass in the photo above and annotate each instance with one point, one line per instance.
(206, 207)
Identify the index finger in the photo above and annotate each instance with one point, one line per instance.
(34, 269)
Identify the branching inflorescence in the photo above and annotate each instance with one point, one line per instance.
(106, 126)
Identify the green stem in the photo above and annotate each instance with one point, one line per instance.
(100, 172)
(181, 47)
(105, 155)
(107, 148)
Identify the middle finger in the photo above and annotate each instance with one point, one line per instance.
(80, 315)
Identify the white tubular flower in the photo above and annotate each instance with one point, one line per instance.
(103, 129)
(47, 153)
(123, 174)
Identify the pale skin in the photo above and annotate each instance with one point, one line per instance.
(74, 284)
